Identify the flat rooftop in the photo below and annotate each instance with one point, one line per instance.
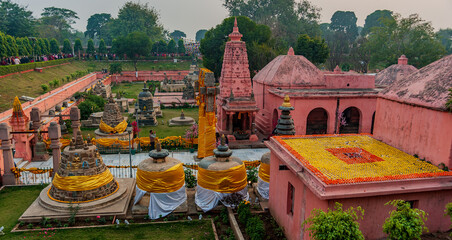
(357, 158)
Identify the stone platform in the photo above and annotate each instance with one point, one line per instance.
(114, 205)
(178, 121)
(121, 136)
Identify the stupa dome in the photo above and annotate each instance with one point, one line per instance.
(394, 72)
(290, 71)
(428, 87)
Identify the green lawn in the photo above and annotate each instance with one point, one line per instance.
(15, 200)
(29, 83)
(128, 90)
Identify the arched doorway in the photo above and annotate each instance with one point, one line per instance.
(349, 120)
(373, 122)
(317, 122)
(274, 119)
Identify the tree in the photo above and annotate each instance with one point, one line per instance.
(3, 45)
(286, 18)
(15, 20)
(445, 36)
(375, 19)
(314, 49)
(345, 22)
(12, 46)
(159, 47)
(335, 224)
(404, 222)
(177, 34)
(67, 48)
(97, 25)
(134, 45)
(56, 22)
(22, 47)
(200, 34)
(136, 17)
(78, 46)
(171, 46)
(256, 36)
(180, 46)
(90, 48)
(410, 36)
(54, 46)
(102, 47)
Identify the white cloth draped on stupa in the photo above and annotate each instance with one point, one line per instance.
(162, 204)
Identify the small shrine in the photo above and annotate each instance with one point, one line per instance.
(102, 90)
(189, 90)
(219, 177)
(112, 124)
(20, 123)
(144, 110)
(160, 186)
(182, 120)
(236, 105)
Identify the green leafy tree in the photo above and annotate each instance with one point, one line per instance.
(258, 40)
(67, 48)
(177, 34)
(410, 36)
(54, 46)
(335, 224)
(160, 47)
(375, 19)
(3, 45)
(46, 46)
(16, 20)
(43, 46)
(22, 49)
(12, 46)
(98, 26)
(90, 48)
(134, 46)
(200, 34)
(286, 18)
(314, 49)
(78, 46)
(404, 222)
(102, 47)
(180, 46)
(445, 36)
(137, 17)
(115, 68)
(56, 22)
(37, 48)
(171, 46)
(345, 22)
(449, 106)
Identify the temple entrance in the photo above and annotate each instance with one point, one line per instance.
(274, 119)
(317, 122)
(349, 120)
(241, 125)
(373, 122)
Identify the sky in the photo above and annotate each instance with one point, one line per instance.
(191, 15)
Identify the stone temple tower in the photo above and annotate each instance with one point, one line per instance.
(236, 105)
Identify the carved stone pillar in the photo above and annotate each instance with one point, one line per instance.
(75, 119)
(7, 148)
(231, 118)
(55, 144)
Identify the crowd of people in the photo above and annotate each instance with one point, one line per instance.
(28, 59)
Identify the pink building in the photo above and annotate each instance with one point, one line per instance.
(309, 172)
(324, 102)
(394, 72)
(412, 114)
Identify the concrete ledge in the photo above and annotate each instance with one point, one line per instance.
(235, 226)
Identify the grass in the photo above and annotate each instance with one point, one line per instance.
(129, 90)
(15, 200)
(29, 83)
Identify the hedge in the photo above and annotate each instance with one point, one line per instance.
(27, 66)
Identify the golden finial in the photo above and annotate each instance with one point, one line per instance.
(17, 106)
(158, 146)
(286, 102)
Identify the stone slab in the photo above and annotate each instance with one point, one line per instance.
(102, 207)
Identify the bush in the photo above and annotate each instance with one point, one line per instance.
(251, 173)
(190, 179)
(255, 228)
(86, 108)
(27, 66)
(56, 82)
(244, 212)
(115, 68)
(404, 222)
(98, 100)
(335, 224)
(448, 212)
(44, 87)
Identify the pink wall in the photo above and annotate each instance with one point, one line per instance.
(304, 105)
(415, 130)
(352, 80)
(147, 76)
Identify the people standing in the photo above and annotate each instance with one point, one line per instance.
(152, 136)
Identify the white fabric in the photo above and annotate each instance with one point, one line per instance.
(263, 187)
(207, 199)
(162, 204)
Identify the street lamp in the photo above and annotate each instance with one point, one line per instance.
(129, 131)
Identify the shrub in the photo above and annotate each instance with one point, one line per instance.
(45, 87)
(27, 66)
(98, 100)
(115, 68)
(335, 224)
(255, 228)
(251, 174)
(448, 212)
(190, 179)
(86, 108)
(56, 82)
(244, 211)
(404, 222)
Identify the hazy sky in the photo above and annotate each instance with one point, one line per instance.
(191, 15)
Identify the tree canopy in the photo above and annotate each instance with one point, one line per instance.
(102, 47)
(15, 20)
(375, 19)
(134, 45)
(97, 25)
(314, 49)
(54, 46)
(258, 40)
(180, 46)
(90, 47)
(177, 34)
(445, 36)
(67, 48)
(200, 34)
(56, 23)
(78, 46)
(171, 46)
(159, 47)
(345, 22)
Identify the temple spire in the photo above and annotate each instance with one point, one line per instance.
(290, 52)
(235, 35)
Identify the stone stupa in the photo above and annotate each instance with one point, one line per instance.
(144, 110)
(160, 182)
(219, 176)
(112, 124)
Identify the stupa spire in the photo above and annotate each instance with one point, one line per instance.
(18, 112)
(285, 124)
(235, 35)
(290, 52)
